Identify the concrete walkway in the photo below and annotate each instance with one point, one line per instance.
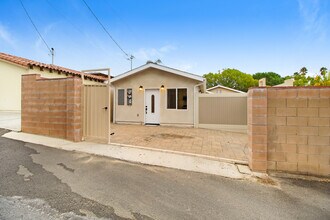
(213, 143)
(141, 155)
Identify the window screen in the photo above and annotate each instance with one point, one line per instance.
(171, 98)
(182, 99)
(121, 96)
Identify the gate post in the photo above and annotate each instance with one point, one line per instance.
(109, 107)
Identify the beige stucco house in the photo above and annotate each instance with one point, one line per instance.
(156, 94)
(219, 89)
(13, 67)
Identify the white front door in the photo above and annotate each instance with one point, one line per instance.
(151, 106)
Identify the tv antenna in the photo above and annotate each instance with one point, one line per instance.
(130, 58)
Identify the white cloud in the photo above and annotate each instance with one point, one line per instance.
(5, 36)
(185, 66)
(153, 53)
(167, 48)
(314, 20)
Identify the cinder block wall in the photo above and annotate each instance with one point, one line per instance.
(289, 129)
(52, 107)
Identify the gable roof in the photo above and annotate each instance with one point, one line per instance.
(31, 63)
(159, 67)
(224, 87)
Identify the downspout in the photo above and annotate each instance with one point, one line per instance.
(196, 102)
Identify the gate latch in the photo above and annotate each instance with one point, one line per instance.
(146, 109)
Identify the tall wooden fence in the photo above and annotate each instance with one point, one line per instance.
(223, 111)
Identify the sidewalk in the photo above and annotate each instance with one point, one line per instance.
(176, 160)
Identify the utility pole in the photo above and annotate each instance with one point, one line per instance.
(131, 59)
(52, 51)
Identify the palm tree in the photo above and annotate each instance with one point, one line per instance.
(303, 71)
(323, 71)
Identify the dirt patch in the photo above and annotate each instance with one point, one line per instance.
(267, 181)
(171, 136)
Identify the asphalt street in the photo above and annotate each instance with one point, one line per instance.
(38, 182)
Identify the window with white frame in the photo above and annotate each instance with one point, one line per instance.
(177, 98)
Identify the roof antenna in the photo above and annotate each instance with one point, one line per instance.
(131, 59)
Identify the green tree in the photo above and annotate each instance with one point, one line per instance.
(212, 79)
(272, 78)
(231, 78)
(322, 79)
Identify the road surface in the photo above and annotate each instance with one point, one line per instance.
(38, 182)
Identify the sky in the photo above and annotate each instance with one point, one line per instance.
(198, 36)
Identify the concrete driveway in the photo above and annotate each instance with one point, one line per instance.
(205, 142)
(10, 120)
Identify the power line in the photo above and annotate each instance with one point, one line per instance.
(106, 30)
(35, 27)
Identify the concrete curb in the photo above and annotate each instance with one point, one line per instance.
(137, 155)
(226, 160)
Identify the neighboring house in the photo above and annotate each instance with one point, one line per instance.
(13, 67)
(156, 94)
(287, 82)
(222, 89)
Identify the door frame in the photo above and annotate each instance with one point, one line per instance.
(145, 94)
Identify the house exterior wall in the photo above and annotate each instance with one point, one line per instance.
(10, 86)
(52, 107)
(10, 83)
(153, 79)
(289, 129)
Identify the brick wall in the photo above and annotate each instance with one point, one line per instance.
(52, 107)
(289, 129)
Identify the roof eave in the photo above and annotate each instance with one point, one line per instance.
(160, 67)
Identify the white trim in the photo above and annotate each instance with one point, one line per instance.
(223, 95)
(159, 67)
(224, 87)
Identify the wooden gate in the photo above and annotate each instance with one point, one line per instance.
(96, 123)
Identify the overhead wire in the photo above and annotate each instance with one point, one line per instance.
(64, 16)
(107, 32)
(35, 27)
